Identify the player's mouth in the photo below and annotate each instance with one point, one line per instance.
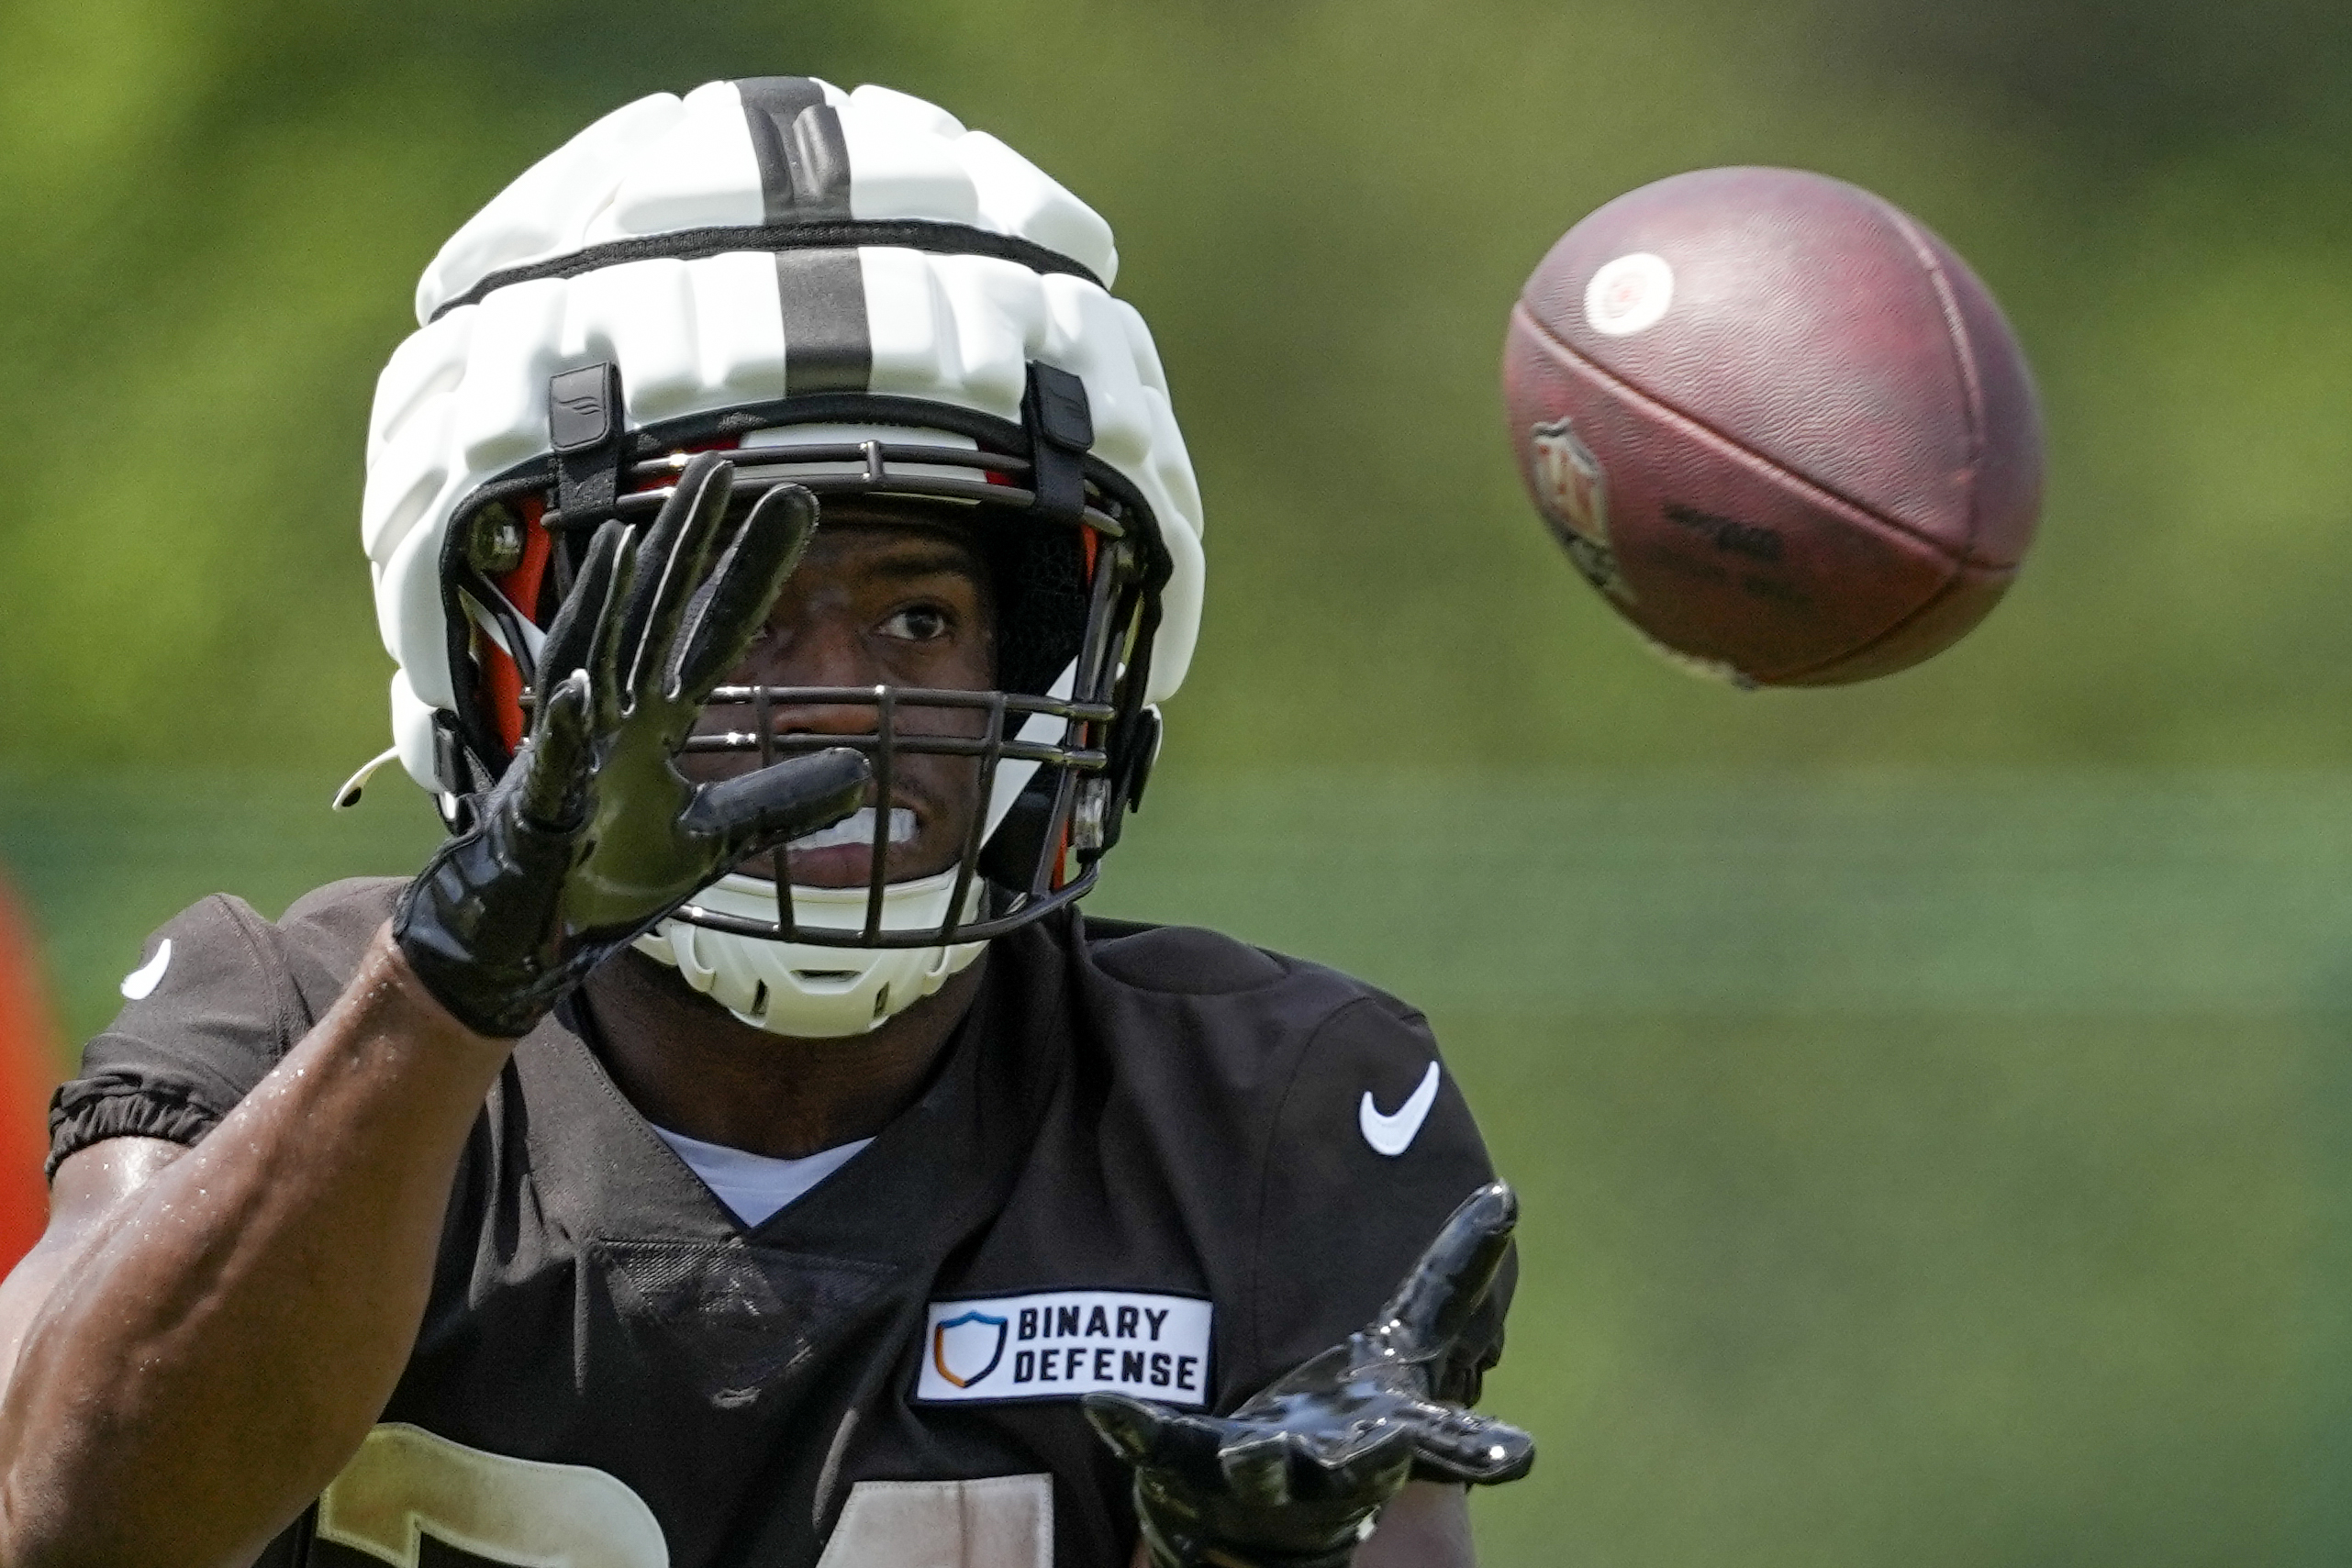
(857, 829)
(843, 854)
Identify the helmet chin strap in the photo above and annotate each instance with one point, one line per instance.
(805, 991)
(800, 990)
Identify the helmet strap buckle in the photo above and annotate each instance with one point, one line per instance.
(1060, 430)
(586, 427)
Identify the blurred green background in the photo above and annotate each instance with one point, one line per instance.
(1929, 1098)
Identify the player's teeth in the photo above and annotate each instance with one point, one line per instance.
(857, 828)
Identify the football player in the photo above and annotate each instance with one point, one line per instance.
(735, 1147)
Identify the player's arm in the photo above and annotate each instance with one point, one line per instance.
(205, 1340)
(88, 1183)
(1424, 1525)
(204, 1337)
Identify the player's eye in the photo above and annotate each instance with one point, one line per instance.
(918, 623)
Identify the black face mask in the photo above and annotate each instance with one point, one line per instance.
(1076, 566)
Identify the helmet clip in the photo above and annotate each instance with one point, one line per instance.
(1061, 429)
(586, 428)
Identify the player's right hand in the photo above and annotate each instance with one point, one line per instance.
(1297, 1477)
(593, 835)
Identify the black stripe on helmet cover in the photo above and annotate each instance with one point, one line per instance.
(826, 345)
(823, 234)
(804, 159)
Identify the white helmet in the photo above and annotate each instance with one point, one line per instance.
(870, 298)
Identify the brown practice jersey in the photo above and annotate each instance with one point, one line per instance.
(1151, 1159)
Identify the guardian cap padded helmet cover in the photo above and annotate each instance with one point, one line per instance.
(862, 296)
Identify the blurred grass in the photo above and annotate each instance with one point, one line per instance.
(103, 859)
(1923, 1169)
(1932, 1168)
(1917, 1288)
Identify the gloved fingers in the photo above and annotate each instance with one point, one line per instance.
(1132, 1427)
(1257, 1467)
(1369, 1460)
(1434, 1302)
(572, 635)
(556, 764)
(1313, 1379)
(671, 564)
(1463, 1448)
(608, 700)
(765, 809)
(744, 586)
(1150, 1436)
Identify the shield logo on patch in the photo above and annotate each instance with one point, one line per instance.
(967, 1349)
(1574, 493)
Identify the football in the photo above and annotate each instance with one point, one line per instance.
(1778, 424)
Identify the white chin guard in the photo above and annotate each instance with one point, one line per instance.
(809, 992)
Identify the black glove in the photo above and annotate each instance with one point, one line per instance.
(593, 835)
(1295, 1478)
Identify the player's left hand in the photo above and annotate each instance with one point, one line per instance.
(595, 834)
(1295, 1478)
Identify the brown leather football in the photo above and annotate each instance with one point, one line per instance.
(1778, 424)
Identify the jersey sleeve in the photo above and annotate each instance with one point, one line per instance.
(210, 1011)
(1373, 1149)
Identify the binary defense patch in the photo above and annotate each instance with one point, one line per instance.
(1058, 1344)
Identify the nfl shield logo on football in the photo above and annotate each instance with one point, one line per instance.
(966, 1350)
(1574, 493)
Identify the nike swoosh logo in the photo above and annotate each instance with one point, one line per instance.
(1393, 1134)
(140, 983)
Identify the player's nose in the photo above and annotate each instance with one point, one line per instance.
(822, 652)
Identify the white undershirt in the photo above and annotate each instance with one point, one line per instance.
(756, 1185)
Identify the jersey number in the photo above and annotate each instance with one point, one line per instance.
(405, 1483)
